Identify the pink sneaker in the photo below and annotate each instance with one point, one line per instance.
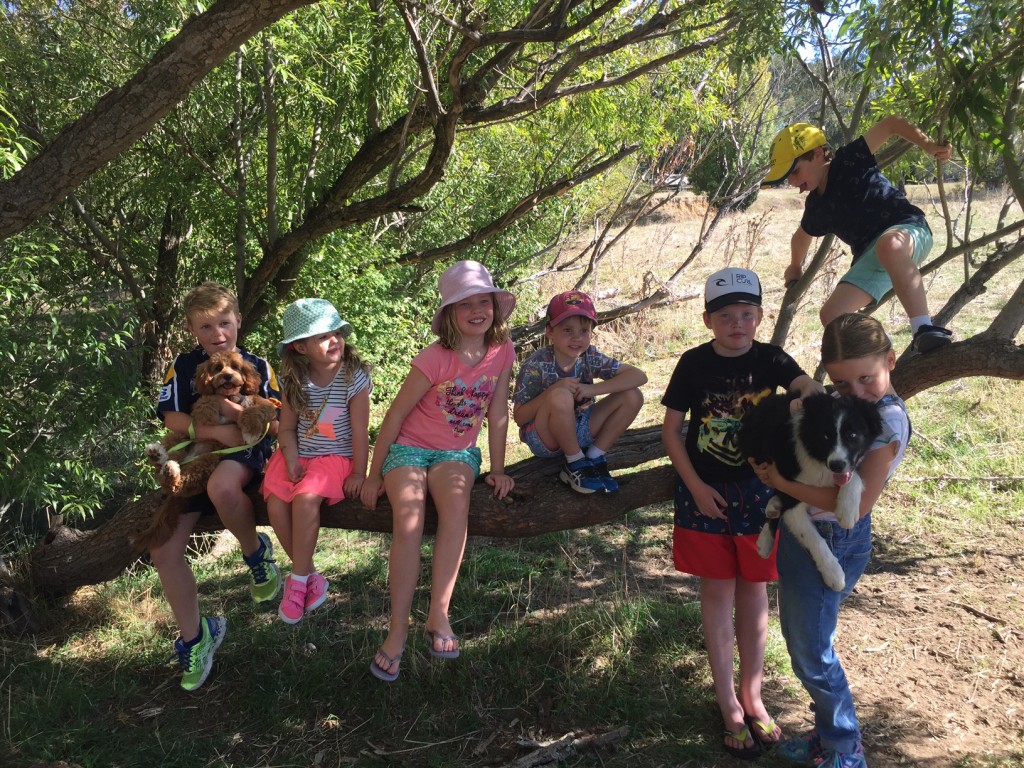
(316, 591)
(293, 603)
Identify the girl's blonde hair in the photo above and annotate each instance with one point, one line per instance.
(295, 373)
(450, 337)
(853, 335)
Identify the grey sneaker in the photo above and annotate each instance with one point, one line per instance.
(804, 749)
(197, 661)
(265, 575)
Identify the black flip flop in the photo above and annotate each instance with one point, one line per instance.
(743, 753)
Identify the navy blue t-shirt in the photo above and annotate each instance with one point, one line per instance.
(179, 391)
(858, 203)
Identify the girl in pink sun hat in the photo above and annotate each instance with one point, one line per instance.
(427, 445)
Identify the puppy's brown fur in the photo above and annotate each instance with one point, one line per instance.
(184, 472)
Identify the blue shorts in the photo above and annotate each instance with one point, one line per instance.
(528, 435)
(408, 456)
(870, 276)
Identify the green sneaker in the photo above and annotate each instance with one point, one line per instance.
(265, 575)
(197, 661)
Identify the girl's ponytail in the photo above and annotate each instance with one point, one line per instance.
(294, 377)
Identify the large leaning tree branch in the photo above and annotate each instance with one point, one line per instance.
(993, 352)
(444, 111)
(67, 558)
(127, 113)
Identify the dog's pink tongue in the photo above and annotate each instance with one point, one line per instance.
(841, 478)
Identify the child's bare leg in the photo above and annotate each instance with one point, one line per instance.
(895, 251)
(407, 491)
(556, 421)
(751, 636)
(450, 484)
(847, 297)
(176, 577)
(225, 488)
(611, 416)
(716, 614)
(280, 515)
(305, 531)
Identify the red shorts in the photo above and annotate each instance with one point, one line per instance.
(721, 556)
(325, 477)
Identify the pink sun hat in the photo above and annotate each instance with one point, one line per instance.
(468, 278)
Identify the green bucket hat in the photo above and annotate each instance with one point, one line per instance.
(310, 317)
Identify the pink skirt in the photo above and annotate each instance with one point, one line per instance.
(325, 477)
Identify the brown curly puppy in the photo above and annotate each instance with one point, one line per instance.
(182, 465)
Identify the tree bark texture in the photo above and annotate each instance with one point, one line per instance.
(66, 558)
(982, 355)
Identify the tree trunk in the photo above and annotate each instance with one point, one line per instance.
(66, 558)
(980, 356)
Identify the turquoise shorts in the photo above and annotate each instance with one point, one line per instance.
(870, 276)
(407, 456)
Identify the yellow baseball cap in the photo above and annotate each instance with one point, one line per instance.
(789, 144)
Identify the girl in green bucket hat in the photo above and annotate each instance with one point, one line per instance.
(322, 443)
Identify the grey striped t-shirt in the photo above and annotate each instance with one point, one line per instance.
(325, 426)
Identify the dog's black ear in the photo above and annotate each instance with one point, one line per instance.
(818, 403)
(872, 418)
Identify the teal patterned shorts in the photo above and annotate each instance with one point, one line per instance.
(407, 456)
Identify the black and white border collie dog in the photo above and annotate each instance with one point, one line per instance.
(823, 443)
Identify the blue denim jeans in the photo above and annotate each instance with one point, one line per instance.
(809, 613)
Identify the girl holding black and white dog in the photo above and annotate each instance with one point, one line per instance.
(858, 357)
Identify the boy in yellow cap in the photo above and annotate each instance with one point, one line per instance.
(849, 197)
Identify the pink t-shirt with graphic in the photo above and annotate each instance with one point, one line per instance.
(449, 416)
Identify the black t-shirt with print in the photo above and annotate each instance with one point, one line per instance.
(717, 391)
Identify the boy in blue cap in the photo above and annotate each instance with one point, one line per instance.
(849, 197)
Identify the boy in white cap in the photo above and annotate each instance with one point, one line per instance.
(554, 401)
(719, 501)
(849, 197)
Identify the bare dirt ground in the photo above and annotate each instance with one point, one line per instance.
(932, 642)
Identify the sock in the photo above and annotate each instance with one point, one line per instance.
(256, 556)
(920, 320)
(593, 452)
(199, 633)
(300, 579)
(575, 457)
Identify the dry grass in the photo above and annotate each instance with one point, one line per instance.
(757, 239)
